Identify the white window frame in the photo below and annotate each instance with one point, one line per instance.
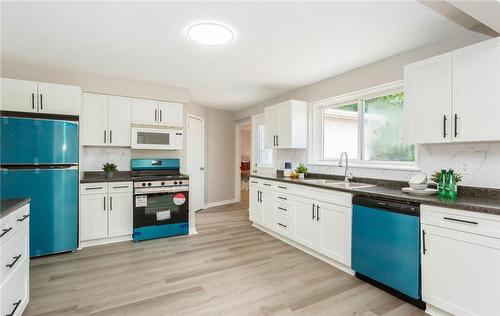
(316, 130)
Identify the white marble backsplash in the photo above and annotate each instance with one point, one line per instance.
(94, 157)
(478, 162)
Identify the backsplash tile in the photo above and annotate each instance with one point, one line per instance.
(94, 157)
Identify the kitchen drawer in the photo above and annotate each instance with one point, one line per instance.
(255, 182)
(120, 187)
(329, 196)
(14, 252)
(471, 222)
(14, 293)
(268, 185)
(10, 224)
(286, 209)
(283, 198)
(94, 188)
(284, 187)
(284, 225)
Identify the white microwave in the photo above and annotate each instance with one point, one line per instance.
(156, 138)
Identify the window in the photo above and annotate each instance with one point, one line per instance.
(367, 125)
(265, 156)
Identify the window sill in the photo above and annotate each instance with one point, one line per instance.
(370, 165)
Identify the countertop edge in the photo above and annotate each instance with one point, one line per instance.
(20, 203)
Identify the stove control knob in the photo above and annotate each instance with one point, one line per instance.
(149, 184)
(143, 184)
(163, 183)
(180, 182)
(175, 182)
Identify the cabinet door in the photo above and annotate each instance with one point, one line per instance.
(306, 231)
(94, 216)
(335, 232)
(255, 207)
(94, 119)
(427, 105)
(476, 92)
(170, 113)
(271, 126)
(268, 209)
(144, 111)
(119, 120)
(120, 214)
(455, 265)
(19, 95)
(59, 99)
(285, 125)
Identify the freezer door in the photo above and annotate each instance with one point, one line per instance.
(38, 141)
(53, 209)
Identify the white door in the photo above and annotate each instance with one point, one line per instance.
(120, 214)
(94, 119)
(284, 139)
(306, 226)
(427, 104)
(195, 152)
(254, 204)
(144, 111)
(335, 232)
(59, 99)
(19, 95)
(268, 209)
(171, 113)
(271, 123)
(476, 92)
(94, 216)
(119, 121)
(460, 272)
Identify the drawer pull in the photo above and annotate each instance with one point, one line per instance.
(94, 188)
(23, 218)
(282, 198)
(282, 187)
(282, 225)
(121, 187)
(11, 265)
(254, 182)
(5, 231)
(16, 305)
(460, 220)
(282, 208)
(267, 184)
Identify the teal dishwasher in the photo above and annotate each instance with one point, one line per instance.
(386, 245)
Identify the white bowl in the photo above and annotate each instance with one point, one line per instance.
(418, 186)
(419, 178)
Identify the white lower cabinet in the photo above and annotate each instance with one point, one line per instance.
(317, 219)
(106, 213)
(460, 262)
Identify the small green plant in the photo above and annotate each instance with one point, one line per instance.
(301, 169)
(109, 167)
(435, 177)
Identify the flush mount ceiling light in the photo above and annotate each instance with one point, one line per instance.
(210, 33)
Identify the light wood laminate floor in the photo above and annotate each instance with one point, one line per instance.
(229, 268)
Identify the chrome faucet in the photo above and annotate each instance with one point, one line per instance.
(346, 177)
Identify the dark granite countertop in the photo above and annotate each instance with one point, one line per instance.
(480, 200)
(7, 206)
(98, 176)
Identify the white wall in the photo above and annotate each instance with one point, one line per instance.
(483, 159)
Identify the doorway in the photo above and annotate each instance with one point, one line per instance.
(195, 157)
(243, 159)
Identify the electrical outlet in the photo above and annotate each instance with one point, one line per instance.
(464, 167)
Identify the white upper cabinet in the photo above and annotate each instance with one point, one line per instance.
(152, 112)
(427, 88)
(144, 111)
(40, 97)
(476, 92)
(19, 95)
(454, 97)
(170, 113)
(286, 125)
(106, 120)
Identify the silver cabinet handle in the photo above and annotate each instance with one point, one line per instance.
(282, 225)
(317, 213)
(424, 249)
(460, 220)
(314, 206)
(33, 101)
(41, 101)
(161, 120)
(16, 305)
(267, 184)
(110, 136)
(282, 198)
(104, 203)
(156, 113)
(94, 188)
(110, 203)
(121, 187)
(202, 168)
(105, 136)
(5, 231)
(282, 208)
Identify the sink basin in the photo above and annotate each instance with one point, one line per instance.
(339, 183)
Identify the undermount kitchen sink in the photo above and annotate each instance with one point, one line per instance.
(339, 183)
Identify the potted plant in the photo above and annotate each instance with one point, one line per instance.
(109, 169)
(301, 170)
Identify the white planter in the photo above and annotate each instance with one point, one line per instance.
(301, 175)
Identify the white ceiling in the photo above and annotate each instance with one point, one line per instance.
(279, 46)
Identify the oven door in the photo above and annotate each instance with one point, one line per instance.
(156, 138)
(160, 208)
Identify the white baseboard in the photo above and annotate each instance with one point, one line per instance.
(309, 251)
(219, 203)
(104, 241)
(192, 231)
(435, 311)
